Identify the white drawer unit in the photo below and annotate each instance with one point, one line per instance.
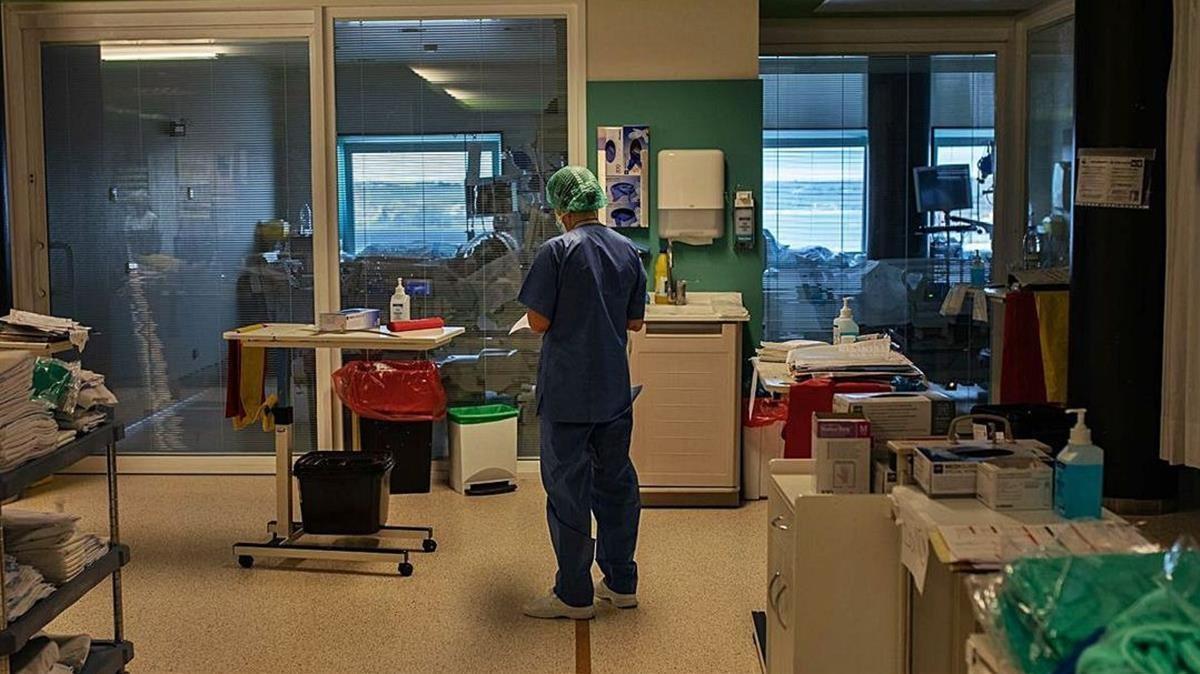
(833, 587)
(686, 435)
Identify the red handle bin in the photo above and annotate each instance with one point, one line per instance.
(392, 390)
(762, 440)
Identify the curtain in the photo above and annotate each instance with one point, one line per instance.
(1181, 347)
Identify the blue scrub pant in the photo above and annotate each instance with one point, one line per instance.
(586, 469)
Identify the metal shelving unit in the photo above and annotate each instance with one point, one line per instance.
(106, 657)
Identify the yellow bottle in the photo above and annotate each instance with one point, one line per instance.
(662, 274)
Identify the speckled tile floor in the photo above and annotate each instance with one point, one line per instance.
(190, 609)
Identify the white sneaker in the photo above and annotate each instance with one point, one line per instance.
(550, 606)
(603, 591)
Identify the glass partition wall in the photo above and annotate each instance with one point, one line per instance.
(446, 132)
(1050, 140)
(186, 194)
(842, 137)
(178, 206)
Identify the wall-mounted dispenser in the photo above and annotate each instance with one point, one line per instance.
(691, 195)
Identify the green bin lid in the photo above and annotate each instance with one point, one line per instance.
(481, 414)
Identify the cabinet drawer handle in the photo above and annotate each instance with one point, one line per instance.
(778, 523)
(777, 605)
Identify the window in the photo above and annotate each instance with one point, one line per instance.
(406, 194)
(971, 147)
(813, 185)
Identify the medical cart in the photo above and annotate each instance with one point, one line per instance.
(288, 539)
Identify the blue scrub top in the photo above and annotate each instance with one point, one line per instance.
(589, 282)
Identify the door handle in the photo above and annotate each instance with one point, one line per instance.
(771, 585)
(778, 523)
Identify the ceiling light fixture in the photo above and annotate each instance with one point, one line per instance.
(160, 52)
(460, 95)
(434, 75)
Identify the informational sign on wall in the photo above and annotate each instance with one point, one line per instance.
(1114, 177)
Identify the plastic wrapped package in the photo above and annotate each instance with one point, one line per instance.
(1096, 614)
(1160, 633)
(390, 390)
(56, 383)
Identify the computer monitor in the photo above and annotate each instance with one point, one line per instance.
(941, 189)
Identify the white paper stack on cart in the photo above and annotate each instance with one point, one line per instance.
(92, 405)
(27, 326)
(777, 352)
(50, 543)
(866, 359)
(27, 427)
(23, 587)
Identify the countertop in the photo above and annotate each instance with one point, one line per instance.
(702, 307)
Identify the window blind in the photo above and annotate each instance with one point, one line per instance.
(963, 90)
(814, 92)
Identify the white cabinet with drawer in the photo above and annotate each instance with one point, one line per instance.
(686, 440)
(833, 587)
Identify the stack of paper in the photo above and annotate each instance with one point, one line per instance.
(50, 543)
(873, 358)
(26, 326)
(777, 352)
(27, 427)
(989, 545)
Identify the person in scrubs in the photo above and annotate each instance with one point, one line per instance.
(585, 290)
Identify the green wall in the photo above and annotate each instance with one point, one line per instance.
(697, 114)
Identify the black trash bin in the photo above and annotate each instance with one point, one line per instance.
(343, 493)
(410, 444)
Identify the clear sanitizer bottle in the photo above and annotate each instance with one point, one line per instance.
(1079, 474)
(845, 330)
(399, 308)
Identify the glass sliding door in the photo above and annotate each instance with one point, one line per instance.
(178, 185)
(446, 133)
(842, 135)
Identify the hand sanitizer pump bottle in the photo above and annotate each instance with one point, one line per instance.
(1079, 474)
(399, 308)
(845, 330)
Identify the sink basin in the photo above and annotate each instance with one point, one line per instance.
(701, 306)
(681, 310)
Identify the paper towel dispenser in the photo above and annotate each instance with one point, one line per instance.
(691, 195)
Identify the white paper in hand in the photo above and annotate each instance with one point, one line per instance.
(522, 324)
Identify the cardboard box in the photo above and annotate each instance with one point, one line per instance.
(349, 319)
(897, 416)
(841, 446)
(949, 470)
(1015, 484)
(883, 478)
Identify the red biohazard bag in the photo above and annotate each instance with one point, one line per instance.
(766, 412)
(392, 390)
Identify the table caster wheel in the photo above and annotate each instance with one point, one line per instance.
(405, 569)
(245, 561)
(429, 545)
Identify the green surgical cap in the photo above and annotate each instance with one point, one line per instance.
(575, 190)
